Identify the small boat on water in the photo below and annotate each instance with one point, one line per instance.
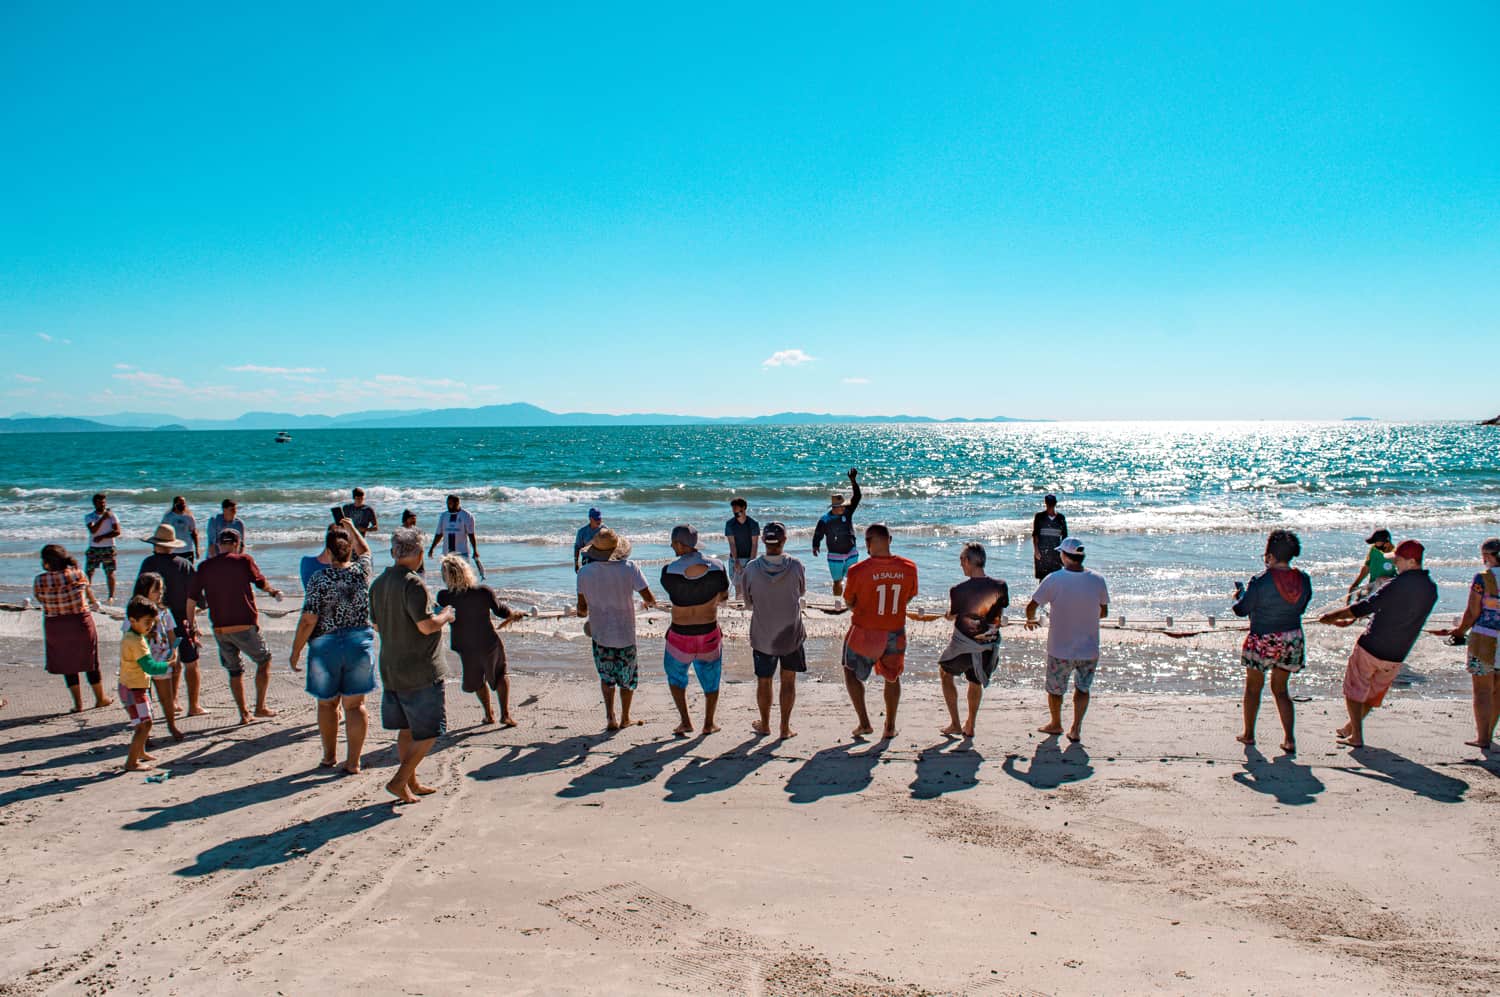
(283, 437)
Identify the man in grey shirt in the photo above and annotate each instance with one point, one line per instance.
(773, 587)
(607, 586)
(411, 662)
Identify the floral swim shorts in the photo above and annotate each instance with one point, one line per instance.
(1058, 670)
(616, 666)
(1286, 650)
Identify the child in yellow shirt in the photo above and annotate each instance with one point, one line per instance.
(137, 669)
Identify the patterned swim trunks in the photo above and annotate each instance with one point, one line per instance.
(99, 557)
(1286, 650)
(137, 703)
(1058, 670)
(616, 666)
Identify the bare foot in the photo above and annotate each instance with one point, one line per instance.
(102, 703)
(1050, 729)
(244, 719)
(177, 735)
(952, 730)
(489, 718)
(627, 722)
(862, 730)
(1477, 743)
(419, 789)
(76, 709)
(197, 711)
(787, 734)
(400, 792)
(148, 758)
(710, 729)
(507, 721)
(140, 766)
(968, 732)
(1289, 747)
(264, 711)
(760, 728)
(611, 725)
(327, 763)
(1245, 739)
(350, 768)
(888, 733)
(1345, 730)
(1352, 742)
(683, 729)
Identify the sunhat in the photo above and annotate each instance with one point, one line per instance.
(165, 536)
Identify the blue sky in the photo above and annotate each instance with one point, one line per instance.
(1072, 210)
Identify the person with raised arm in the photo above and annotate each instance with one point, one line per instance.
(836, 527)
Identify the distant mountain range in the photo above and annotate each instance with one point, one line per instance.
(517, 414)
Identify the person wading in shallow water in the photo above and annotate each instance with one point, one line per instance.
(837, 527)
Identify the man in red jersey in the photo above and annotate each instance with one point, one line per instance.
(877, 591)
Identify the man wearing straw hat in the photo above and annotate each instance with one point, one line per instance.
(608, 583)
(176, 573)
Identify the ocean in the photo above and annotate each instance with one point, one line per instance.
(1172, 513)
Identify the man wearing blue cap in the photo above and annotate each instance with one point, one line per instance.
(585, 537)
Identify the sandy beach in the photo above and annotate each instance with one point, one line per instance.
(1158, 856)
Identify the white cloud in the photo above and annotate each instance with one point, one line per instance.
(856, 380)
(166, 384)
(28, 379)
(787, 358)
(123, 366)
(44, 337)
(251, 368)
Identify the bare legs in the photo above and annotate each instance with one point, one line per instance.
(137, 759)
(626, 695)
(502, 695)
(75, 689)
(191, 677)
(788, 699)
(1054, 708)
(1486, 709)
(710, 703)
(404, 785)
(950, 697)
(484, 702)
(356, 726)
(1254, 683)
(166, 695)
(1353, 734)
(857, 697)
(262, 685)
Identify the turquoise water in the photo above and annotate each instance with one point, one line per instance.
(1173, 513)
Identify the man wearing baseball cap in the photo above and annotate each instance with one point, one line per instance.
(1378, 566)
(695, 584)
(1397, 611)
(773, 585)
(1079, 600)
(585, 536)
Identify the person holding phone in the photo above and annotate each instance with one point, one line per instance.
(312, 564)
(104, 529)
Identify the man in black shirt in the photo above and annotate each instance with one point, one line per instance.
(696, 585)
(975, 606)
(744, 542)
(837, 527)
(1399, 610)
(177, 580)
(361, 515)
(1049, 529)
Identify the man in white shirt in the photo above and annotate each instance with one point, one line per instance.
(1079, 599)
(455, 531)
(608, 583)
(104, 529)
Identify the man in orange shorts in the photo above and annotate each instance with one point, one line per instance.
(1398, 611)
(876, 592)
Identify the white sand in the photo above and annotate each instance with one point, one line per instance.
(557, 860)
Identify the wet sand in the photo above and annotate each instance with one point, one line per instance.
(1157, 856)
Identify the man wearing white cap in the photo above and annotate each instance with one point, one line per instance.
(1079, 599)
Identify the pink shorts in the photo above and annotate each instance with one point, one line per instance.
(1367, 678)
(137, 703)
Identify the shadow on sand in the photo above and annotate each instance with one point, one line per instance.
(835, 771)
(1396, 770)
(950, 771)
(714, 775)
(255, 851)
(1050, 767)
(1292, 784)
(517, 760)
(632, 767)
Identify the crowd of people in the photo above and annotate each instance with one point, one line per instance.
(355, 623)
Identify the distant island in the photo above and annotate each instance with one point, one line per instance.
(1359, 418)
(513, 415)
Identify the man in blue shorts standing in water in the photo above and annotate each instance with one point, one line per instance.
(837, 527)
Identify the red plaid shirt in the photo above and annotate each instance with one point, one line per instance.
(62, 593)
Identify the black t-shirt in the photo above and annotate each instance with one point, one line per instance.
(740, 534)
(1400, 607)
(976, 604)
(472, 630)
(362, 516)
(1048, 532)
(177, 580)
(685, 591)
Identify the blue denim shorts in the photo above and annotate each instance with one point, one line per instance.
(341, 663)
(423, 711)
